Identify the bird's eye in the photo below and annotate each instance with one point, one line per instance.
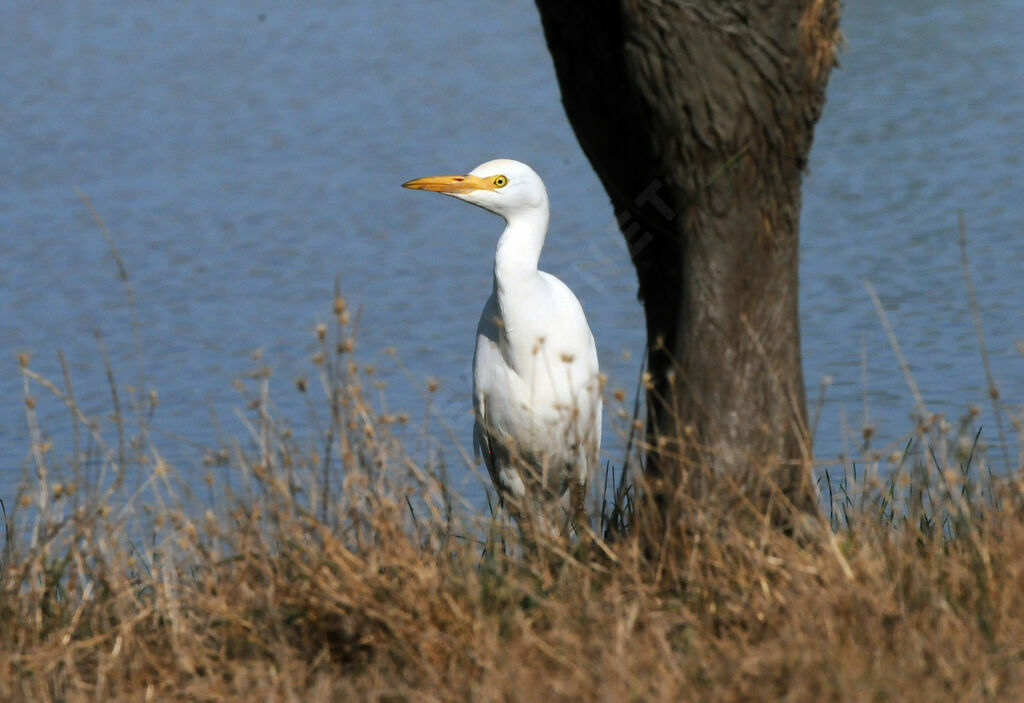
(499, 181)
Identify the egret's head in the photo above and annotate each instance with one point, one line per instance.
(502, 186)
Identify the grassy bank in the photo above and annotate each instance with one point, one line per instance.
(346, 570)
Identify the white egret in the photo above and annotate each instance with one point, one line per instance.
(536, 391)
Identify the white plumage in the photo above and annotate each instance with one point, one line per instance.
(536, 390)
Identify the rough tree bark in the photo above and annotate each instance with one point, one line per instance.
(698, 116)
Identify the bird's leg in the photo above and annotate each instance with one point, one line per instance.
(579, 505)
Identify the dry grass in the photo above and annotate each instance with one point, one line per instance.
(349, 572)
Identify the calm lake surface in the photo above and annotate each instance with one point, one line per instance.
(244, 156)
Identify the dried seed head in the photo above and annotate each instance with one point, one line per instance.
(964, 444)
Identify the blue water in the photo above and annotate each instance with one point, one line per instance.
(244, 156)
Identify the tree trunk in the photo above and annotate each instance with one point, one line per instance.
(698, 117)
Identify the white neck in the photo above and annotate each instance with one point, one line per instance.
(520, 244)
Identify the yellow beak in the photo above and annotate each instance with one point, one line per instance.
(450, 184)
